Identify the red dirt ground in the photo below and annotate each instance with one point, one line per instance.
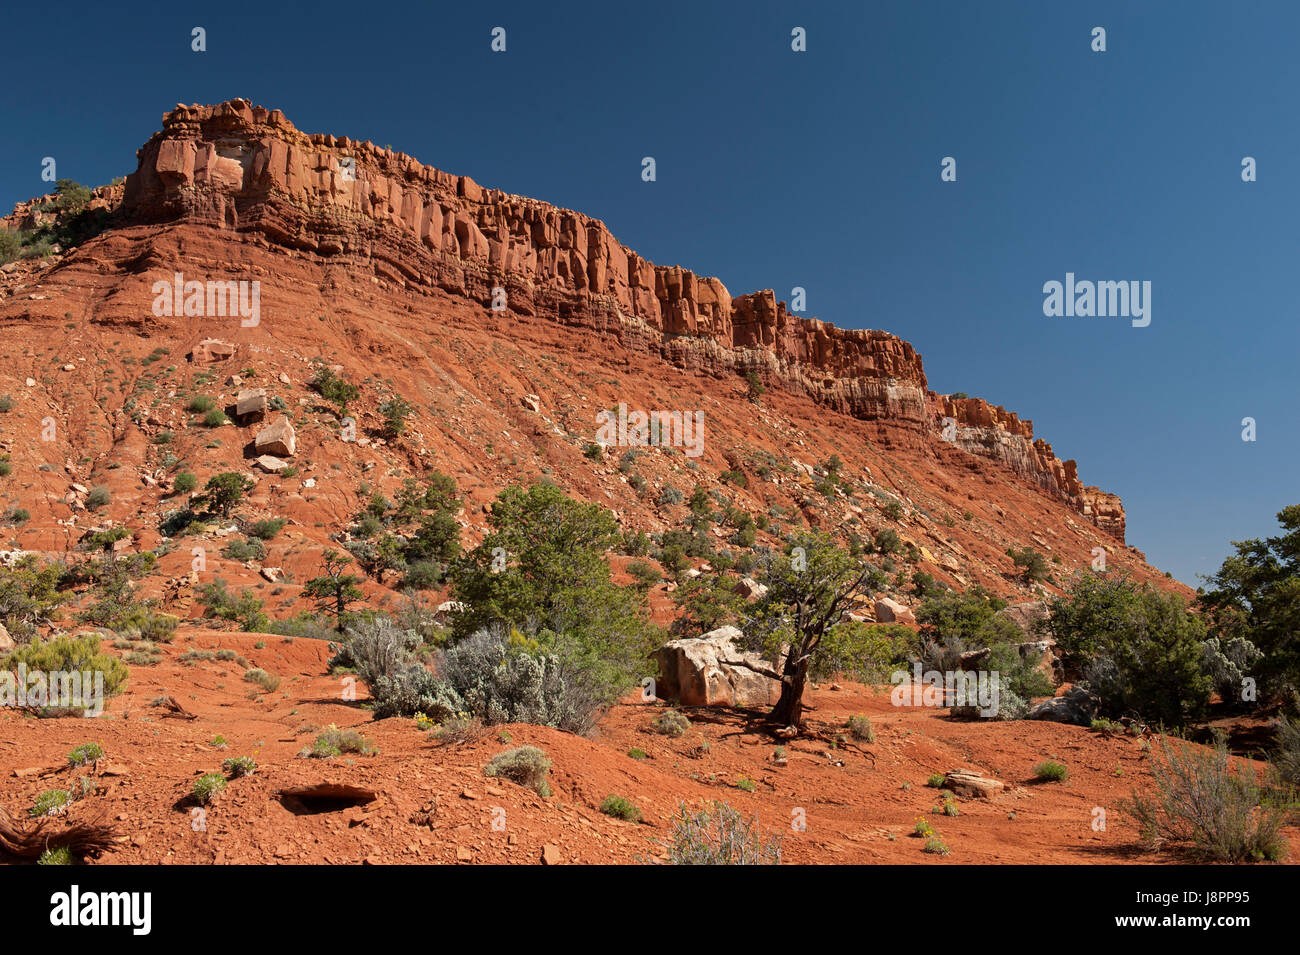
(858, 808)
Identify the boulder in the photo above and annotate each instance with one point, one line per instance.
(710, 670)
(270, 463)
(1076, 705)
(533, 403)
(250, 401)
(277, 438)
(972, 785)
(891, 611)
(446, 610)
(751, 589)
(6, 641)
(211, 350)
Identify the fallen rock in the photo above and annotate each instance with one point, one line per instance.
(6, 641)
(532, 402)
(751, 589)
(965, 782)
(710, 670)
(210, 350)
(551, 855)
(1076, 706)
(271, 574)
(270, 463)
(277, 438)
(250, 401)
(891, 611)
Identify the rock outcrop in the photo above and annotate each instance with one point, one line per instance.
(710, 670)
(991, 431)
(1076, 706)
(246, 168)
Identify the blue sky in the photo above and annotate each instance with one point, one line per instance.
(821, 169)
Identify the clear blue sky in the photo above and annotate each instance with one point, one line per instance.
(821, 169)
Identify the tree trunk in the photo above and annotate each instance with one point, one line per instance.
(789, 708)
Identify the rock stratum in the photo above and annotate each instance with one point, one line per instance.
(247, 169)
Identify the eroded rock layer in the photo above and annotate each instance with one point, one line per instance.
(242, 167)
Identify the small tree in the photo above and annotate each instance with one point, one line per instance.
(335, 389)
(334, 591)
(224, 491)
(1033, 566)
(753, 386)
(395, 411)
(809, 587)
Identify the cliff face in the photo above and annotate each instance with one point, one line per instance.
(246, 168)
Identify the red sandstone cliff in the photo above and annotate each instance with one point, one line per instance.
(245, 168)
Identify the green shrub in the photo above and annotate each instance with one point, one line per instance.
(620, 808)
(860, 728)
(525, 765)
(98, 497)
(246, 609)
(671, 723)
(936, 846)
(1051, 771)
(636, 753)
(1203, 801)
(334, 742)
(201, 404)
(1141, 650)
(85, 753)
(266, 530)
(61, 855)
(208, 786)
(1286, 756)
(68, 653)
(51, 802)
(185, 482)
(720, 836)
(334, 388)
(215, 418)
(238, 766)
(269, 682)
(245, 550)
(495, 680)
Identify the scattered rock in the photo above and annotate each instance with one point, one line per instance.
(551, 855)
(277, 438)
(250, 401)
(211, 350)
(270, 463)
(533, 403)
